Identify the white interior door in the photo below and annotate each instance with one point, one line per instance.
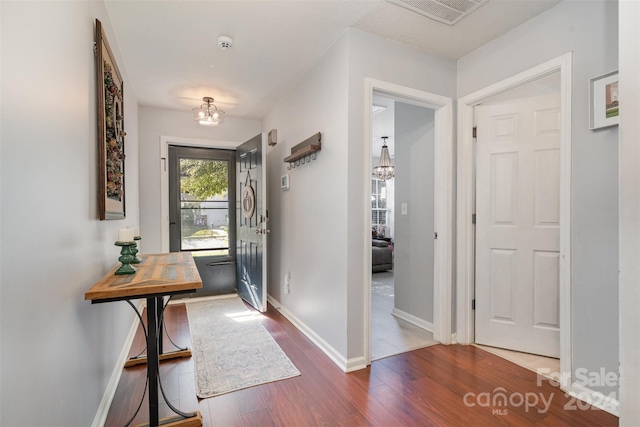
(518, 225)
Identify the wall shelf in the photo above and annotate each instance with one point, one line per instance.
(306, 151)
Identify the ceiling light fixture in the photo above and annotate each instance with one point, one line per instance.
(385, 169)
(208, 114)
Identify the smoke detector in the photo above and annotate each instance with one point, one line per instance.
(225, 42)
(445, 11)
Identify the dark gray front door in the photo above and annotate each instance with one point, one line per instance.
(252, 227)
(202, 213)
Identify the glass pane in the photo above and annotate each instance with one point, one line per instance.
(204, 206)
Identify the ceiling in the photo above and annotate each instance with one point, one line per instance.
(172, 59)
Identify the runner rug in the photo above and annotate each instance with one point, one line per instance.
(231, 349)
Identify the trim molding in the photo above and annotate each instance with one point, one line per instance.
(347, 365)
(443, 201)
(594, 398)
(421, 323)
(112, 385)
(466, 194)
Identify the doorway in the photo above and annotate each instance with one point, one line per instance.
(518, 219)
(466, 203)
(402, 208)
(202, 214)
(441, 239)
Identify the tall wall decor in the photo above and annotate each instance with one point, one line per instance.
(111, 132)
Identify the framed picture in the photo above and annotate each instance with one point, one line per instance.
(111, 190)
(284, 182)
(603, 98)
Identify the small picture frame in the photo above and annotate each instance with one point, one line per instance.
(284, 182)
(603, 101)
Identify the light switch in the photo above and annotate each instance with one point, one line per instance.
(403, 208)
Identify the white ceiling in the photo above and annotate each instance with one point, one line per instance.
(172, 59)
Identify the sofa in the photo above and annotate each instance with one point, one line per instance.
(381, 255)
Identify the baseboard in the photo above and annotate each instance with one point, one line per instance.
(350, 365)
(196, 299)
(271, 300)
(421, 323)
(594, 398)
(112, 385)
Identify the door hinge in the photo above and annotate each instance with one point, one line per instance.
(473, 218)
(473, 304)
(435, 235)
(475, 131)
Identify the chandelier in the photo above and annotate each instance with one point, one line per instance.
(208, 114)
(385, 169)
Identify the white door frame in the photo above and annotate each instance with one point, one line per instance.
(165, 141)
(443, 106)
(466, 203)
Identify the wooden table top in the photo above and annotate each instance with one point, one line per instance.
(156, 274)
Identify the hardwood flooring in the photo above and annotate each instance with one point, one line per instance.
(389, 334)
(426, 387)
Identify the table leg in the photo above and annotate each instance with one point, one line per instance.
(159, 311)
(152, 359)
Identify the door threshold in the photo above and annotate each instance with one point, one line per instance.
(548, 367)
(194, 299)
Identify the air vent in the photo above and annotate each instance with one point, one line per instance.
(447, 11)
(377, 109)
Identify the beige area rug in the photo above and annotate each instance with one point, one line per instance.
(231, 348)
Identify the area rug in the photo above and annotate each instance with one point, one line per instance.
(231, 348)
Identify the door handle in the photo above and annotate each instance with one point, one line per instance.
(262, 231)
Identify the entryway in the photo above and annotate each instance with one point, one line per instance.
(419, 231)
(513, 223)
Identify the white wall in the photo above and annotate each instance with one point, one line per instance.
(377, 58)
(154, 123)
(414, 182)
(629, 214)
(58, 351)
(308, 221)
(590, 30)
(317, 227)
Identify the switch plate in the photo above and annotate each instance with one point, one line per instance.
(403, 208)
(287, 283)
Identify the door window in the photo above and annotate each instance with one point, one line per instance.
(204, 206)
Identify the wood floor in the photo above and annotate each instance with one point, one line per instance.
(421, 388)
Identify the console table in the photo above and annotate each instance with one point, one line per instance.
(157, 276)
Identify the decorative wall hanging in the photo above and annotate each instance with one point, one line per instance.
(111, 132)
(603, 101)
(248, 199)
(306, 151)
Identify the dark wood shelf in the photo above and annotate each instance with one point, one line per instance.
(309, 149)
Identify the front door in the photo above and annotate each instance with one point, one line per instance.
(252, 227)
(518, 225)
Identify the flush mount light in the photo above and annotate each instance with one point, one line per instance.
(208, 114)
(225, 42)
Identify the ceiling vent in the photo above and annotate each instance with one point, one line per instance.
(446, 11)
(377, 109)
